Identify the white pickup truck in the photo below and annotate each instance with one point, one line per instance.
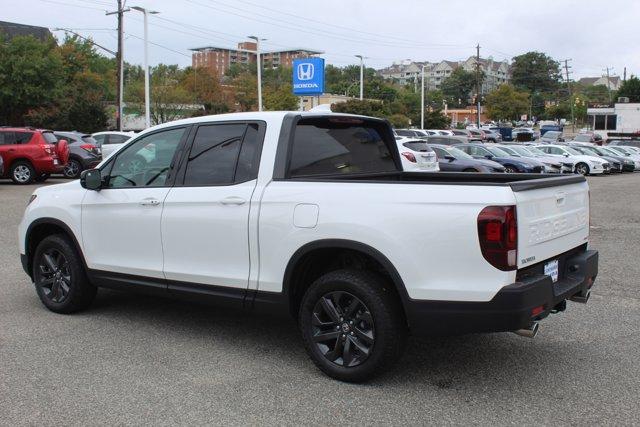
(310, 214)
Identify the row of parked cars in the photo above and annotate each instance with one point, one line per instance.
(452, 153)
(30, 155)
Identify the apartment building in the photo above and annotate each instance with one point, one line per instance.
(221, 58)
(407, 72)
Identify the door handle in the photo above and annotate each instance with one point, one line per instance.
(233, 200)
(150, 202)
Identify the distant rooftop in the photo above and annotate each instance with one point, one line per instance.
(12, 29)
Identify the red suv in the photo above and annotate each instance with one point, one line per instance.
(31, 154)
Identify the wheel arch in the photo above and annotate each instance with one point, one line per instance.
(42, 228)
(318, 257)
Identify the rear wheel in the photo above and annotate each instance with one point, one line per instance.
(582, 169)
(352, 325)
(510, 169)
(59, 276)
(22, 172)
(72, 169)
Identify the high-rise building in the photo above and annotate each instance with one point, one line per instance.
(220, 59)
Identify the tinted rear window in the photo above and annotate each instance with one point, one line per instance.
(417, 146)
(89, 139)
(50, 137)
(337, 146)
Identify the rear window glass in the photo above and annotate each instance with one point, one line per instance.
(336, 146)
(50, 137)
(89, 139)
(417, 146)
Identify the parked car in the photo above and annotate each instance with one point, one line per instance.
(84, 153)
(551, 165)
(1, 166)
(411, 133)
(446, 132)
(477, 135)
(462, 133)
(592, 138)
(625, 142)
(523, 134)
(632, 153)
(584, 165)
(111, 141)
(416, 155)
(551, 137)
(346, 238)
(446, 140)
(618, 163)
(511, 164)
(452, 159)
(31, 154)
(492, 136)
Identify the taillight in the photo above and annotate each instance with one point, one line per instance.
(47, 148)
(498, 235)
(88, 147)
(409, 156)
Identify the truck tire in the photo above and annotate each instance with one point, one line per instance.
(59, 276)
(22, 172)
(352, 325)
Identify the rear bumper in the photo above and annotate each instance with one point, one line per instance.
(511, 308)
(48, 165)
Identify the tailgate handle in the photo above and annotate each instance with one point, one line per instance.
(560, 198)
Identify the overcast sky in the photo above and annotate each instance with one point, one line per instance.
(594, 34)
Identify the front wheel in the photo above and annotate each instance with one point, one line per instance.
(582, 169)
(22, 172)
(352, 325)
(59, 276)
(510, 169)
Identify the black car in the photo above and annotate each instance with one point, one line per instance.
(84, 153)
(450, 159)
(510, 163)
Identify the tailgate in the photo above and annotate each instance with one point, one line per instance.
(551, 220)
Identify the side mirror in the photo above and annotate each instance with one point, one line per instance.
(91, 179)
(450, 158)
(566, 154)
(488, 156)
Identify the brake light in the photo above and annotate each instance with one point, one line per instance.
(88, 147)
(498, 236)
(409, 156)
(47, 148)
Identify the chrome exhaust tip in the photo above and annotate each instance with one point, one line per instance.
(582, 299)
(529, 332)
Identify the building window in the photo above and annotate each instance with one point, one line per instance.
(611, 121)
(600, 122)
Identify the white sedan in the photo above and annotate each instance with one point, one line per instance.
(630, 152)
(111, 141)
(416, 155)
(584, 165)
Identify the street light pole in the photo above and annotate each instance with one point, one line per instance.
(361, 76)
(147, 92)
(259, 68)
(422, 101)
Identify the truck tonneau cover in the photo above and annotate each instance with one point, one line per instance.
(517, 182)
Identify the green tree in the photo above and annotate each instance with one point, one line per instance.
(246, 91)
(281, 99)
(364, 108)
(630, 89)
(535, 72)
(457, 88)
(436, 119)
(399, 121)
(31, 77)
(597, 93)
(507, 103)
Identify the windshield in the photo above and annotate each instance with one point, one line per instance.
(520, 150)
(416, 146)
(497, 152)
(536, 151)
(510, 151)
(572, 151)
(589, 151)
(608, 152)
(50, 137)
(458, 154)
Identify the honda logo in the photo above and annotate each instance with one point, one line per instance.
(305, 71)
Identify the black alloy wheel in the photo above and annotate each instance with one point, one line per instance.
(53, 275)
(343, 329)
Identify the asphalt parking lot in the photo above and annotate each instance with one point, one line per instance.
(139, 360)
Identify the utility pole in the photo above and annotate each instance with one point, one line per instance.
(609, 83)
(361, 76)
(147, 92)
(624, 75)
(422, 101)
(478, 84)
(566, 69)
(120, 60)
(259, 69)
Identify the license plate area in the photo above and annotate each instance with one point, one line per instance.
(552, 269)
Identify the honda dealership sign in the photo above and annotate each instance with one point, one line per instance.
(308, 76)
